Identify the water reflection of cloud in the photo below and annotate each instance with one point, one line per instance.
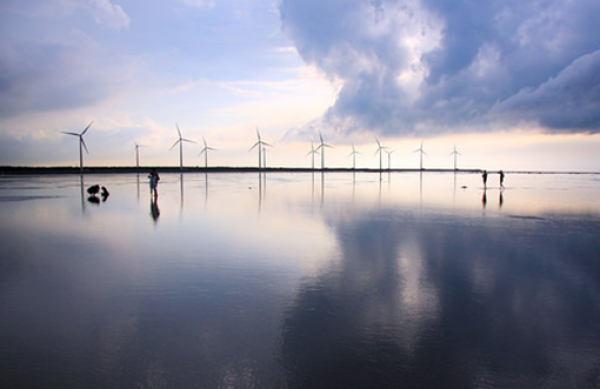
(430, 302)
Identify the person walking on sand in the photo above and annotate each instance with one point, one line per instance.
(501, 179)
(484, 177)
(154, 178)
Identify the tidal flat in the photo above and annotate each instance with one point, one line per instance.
(300, 280)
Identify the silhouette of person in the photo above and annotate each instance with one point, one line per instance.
(501, 179)
(104, 193)
(484, 177)
(154, 178)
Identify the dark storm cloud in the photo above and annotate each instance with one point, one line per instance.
(435, 66)
(567, 101)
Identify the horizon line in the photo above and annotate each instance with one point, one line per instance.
(16, 170)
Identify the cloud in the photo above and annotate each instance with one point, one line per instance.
(103, 12)
(425, 67)
(56, 75)
(109, 14)
(567, 101)
(47, 63)
(199, 3)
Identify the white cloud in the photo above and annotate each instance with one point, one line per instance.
(106, 13)
(199, 3)
(103, 12)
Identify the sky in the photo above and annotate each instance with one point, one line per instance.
(510, 84)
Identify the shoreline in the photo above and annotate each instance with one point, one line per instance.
(59, 170)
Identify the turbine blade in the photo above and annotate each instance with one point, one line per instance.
(266, 144)
(178, 130)
(70, 133)
(84, 145)
(256, 144)
(174, 144)
(187, 140)
(87, 128)
(258, 134)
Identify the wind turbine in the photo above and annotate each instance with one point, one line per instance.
(420, 150)
(260, 143)
(205, 151)
(180, 141)
(380, 150)
(353, 155)
(313, 152)
(322, 146)
(81, 144)
(137, 154)
(389, 153)
(455, 153)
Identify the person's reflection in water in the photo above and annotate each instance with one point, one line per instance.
(501, 200)
(93, 199)
(484, 198)
(154, 210)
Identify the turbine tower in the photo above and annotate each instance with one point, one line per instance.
(137, 154)
(353, 155)
(82, 144)
(205, 151)
(455, 153)
(312, 152)
(420, 150)
(322, 147)
(380, 150)
(180, 141)
(260, 143)
(264, 157)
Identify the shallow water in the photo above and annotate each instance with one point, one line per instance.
(300, 281)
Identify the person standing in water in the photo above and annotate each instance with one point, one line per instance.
(154, 178)
(484, 177)
(501, 179)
